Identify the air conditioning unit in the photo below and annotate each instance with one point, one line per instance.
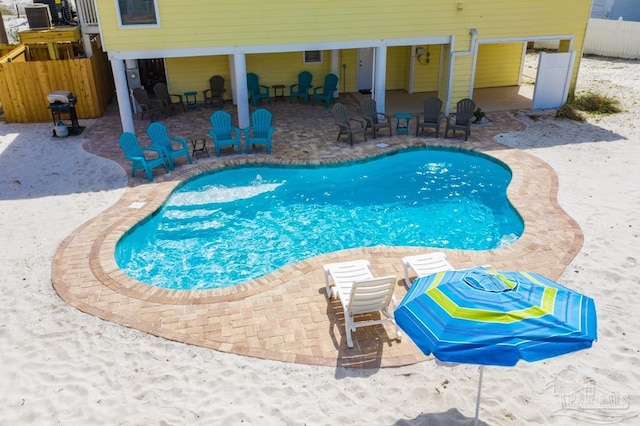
(38, 16)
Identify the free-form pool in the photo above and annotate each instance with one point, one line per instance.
(228, 227)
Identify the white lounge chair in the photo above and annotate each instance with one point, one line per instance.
(359, 293)
(425, 264)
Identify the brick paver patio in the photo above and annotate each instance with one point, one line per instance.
(286, 315)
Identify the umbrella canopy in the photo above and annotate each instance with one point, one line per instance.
(482, 316)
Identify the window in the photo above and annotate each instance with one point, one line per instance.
(137, 12)
(312, 57)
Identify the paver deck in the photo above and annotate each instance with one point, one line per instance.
(286, 315)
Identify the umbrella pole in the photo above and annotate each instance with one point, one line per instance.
(475, 421)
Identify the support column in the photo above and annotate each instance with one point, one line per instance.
(379, 76)
(241, 92)
(232, 73)
(86, 43)
(122, 94)
(335, 68)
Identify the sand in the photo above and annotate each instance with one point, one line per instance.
(61, 366)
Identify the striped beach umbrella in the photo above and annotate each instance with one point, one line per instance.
(488, 317)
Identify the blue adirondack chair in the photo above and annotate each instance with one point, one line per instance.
(302, 87)
(134, 152)
(260, 131)
(325, 93)
(256, 90)
(160, 138)
(223, 132)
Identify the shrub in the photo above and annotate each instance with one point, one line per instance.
(599, 104)
(589, 102)
(569, 111)
(478, 115)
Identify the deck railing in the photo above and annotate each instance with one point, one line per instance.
(88, 16)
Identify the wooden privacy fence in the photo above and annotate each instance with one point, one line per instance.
(24, 86)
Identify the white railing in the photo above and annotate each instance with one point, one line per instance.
(604, 37)
(88, 16)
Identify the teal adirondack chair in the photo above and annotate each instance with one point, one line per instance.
(301, 89)
(256, 90)
(223, 132)
(325, 93)
(260, 131)
(134, 152)
(160, 139)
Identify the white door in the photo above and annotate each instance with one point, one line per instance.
(364, 79)
(552, 80)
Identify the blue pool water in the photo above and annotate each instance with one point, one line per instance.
(225, 228)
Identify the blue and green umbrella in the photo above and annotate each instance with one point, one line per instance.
(488, 317)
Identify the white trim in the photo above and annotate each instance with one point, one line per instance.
(304, 56)
(412, 68)
(473, 50)
(380, 77)
(137, 26)
(241, 91)
(276, 48)
(335, 68)
(522, 62)
(523, 39)
(122, 95)
(512, 40)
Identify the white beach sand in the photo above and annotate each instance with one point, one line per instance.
(61, 366)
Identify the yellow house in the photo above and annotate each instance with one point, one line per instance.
(451, 47)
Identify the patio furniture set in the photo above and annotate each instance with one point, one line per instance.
(260, 132)
(165, 149)
(431, 117)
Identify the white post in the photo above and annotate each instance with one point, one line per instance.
(335, 68)
(122, 93)
(242, 94)
(475, 421)
(86, 43)
(379, 76)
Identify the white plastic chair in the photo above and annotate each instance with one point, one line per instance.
(359, 293)
(425, 264)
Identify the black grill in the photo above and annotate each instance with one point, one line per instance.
(66, 111)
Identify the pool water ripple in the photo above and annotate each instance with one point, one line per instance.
(229, 227)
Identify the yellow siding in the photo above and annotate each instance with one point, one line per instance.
(397, 68)
(251, 26)
(444, 79)
(461, 78)
(193, 73)
(498, 65)
(283, 68)
(202, 23)
(425, 77)
(348, 57)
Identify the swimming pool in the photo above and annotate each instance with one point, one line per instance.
(229, 227)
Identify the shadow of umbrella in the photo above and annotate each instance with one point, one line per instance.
(486, 317)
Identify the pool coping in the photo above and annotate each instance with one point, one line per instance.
(285, 315)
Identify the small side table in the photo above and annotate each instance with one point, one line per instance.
(280, 88)
(192, 99)
(403, 120)
(199, 144)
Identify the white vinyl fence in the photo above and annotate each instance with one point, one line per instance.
(617, 39)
